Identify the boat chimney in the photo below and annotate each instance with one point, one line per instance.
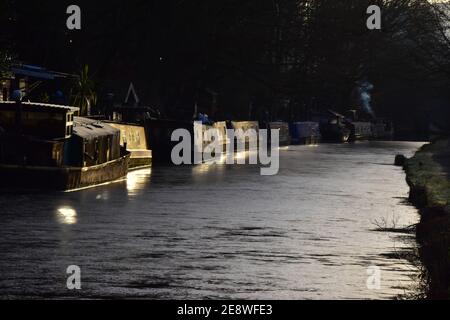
(17, 97)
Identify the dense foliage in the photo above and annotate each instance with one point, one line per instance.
(283, 58)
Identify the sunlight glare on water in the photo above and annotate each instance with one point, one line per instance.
(220, 231)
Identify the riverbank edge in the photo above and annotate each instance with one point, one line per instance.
(428, 176)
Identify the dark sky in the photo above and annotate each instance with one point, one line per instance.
(262, 52)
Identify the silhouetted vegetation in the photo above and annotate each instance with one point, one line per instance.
(245, 58)
(83, 94)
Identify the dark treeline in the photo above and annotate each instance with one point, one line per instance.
(243, 58)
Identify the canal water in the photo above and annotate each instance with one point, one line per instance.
(220, 231)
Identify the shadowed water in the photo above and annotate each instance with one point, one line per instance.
(218, 231)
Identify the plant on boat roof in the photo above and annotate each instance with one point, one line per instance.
(83, 93)
(5, 63)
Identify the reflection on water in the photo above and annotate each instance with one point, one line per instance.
(67, 215)
(242, 156)
(137, 180)
(219, 231)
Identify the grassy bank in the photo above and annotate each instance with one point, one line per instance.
(428, 175)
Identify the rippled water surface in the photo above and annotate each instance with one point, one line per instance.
(218, 231)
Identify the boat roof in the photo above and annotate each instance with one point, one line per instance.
(336, 114)
(37, 106)
(38, 72)
(90, 129)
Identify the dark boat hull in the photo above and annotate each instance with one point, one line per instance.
(63, 178)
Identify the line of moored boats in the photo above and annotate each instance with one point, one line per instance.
(52, 147)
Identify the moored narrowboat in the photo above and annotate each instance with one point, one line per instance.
(47, 146)
(360, 130)
(246, 135)
(305, 132)
(284, 134)
(334, 128)
(133, 138)
(382, 129)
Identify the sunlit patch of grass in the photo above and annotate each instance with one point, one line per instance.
(428, 174)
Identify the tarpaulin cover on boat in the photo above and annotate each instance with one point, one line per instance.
(92, 143)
